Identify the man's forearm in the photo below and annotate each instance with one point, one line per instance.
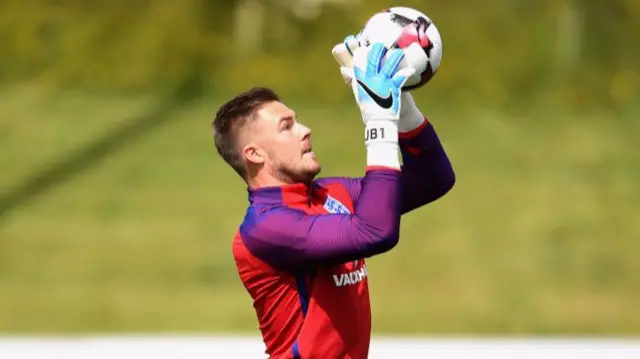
(289, 238)
(427, 170)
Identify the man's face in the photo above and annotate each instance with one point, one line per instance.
(278, 143)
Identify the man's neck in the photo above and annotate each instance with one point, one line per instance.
(266, 181)
(270, 181)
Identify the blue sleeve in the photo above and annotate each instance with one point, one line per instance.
(287, 238)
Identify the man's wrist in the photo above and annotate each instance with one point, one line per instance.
(377, 131)
(411, 118)
(381, 139)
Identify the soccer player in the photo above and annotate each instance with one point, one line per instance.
(301, 249)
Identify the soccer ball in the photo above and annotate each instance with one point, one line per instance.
(399, 27)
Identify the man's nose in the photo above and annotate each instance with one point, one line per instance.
(304, 131)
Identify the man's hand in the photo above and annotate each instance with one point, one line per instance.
(377, 84)
(410, 116)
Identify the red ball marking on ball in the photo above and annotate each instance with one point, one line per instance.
(411, 34)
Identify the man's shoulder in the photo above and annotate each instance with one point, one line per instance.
(255, 214)
(254, 231)
(343, 186)
(264, 223)
(263, 235)
(259, 212)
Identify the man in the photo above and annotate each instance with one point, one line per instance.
(301, 249)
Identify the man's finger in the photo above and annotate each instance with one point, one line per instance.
(347, 74)
(350, 43)
(360, 58)
(374, 60)
(401, 77)
(391, 64)
(342, 55)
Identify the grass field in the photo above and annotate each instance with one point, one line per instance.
(540, 234)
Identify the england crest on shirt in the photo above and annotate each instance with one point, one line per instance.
(332, 205)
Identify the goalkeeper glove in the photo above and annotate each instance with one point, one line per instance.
(377, 88)
(410, 116)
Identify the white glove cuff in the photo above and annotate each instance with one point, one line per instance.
(410, 116)
(381, 139)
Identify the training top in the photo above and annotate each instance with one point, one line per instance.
(300, 251)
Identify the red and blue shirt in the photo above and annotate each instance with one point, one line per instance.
(301, 249)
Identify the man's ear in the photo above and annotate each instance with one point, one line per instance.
(254, 154)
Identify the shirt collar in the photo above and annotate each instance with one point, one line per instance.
(297, 193)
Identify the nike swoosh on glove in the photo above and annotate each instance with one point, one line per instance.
(410, 115)
(378, 84)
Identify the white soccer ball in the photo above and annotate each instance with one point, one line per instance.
(400, 27)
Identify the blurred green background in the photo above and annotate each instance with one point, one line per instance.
(116, 214)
